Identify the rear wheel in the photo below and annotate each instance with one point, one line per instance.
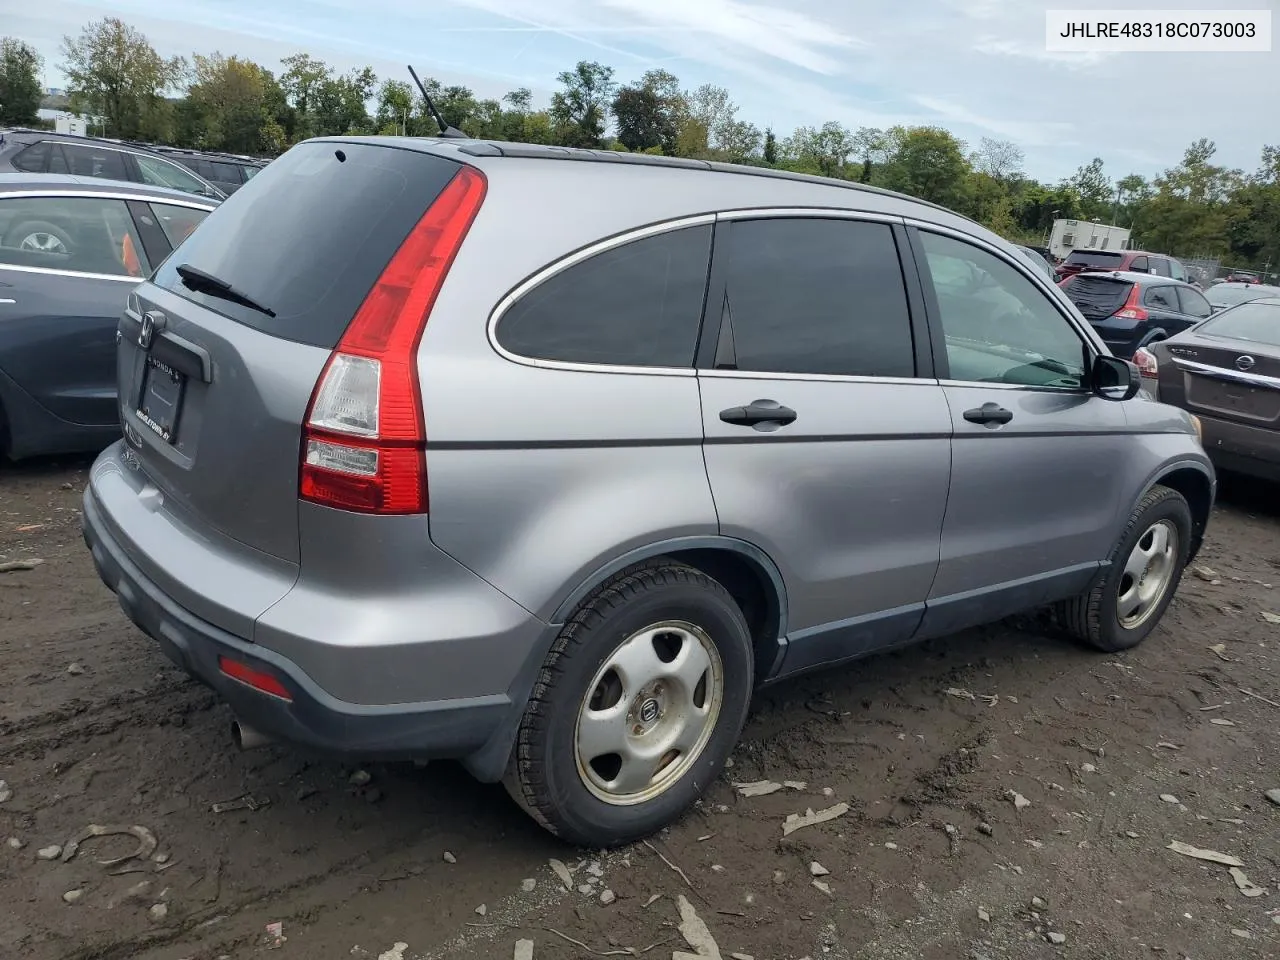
(1140, 578)
(640, 702)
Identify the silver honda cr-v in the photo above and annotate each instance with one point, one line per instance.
(546, 459)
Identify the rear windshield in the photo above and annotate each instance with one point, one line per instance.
(1097, 297)
(1255, 321)
(309, 236)
(1095, 258)
(1224, 296)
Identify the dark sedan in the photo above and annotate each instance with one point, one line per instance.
(71, 250)
(1131, 310)
(1227, 372)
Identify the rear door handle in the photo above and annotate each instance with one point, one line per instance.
(758, 412)
(989, 413)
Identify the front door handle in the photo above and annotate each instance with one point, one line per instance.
(989, 413)
(759, 412)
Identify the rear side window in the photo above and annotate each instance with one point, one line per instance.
(227, 172)
(1193, 303)
(636, 305)
(822, 297)
(34, 159)
(1098, 297)
(310, 236)
(94, 161)
(78, 234)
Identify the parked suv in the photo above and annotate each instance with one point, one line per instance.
(227, 172)
(38, 151)
(549, 458)
(1129, 261)
(1133, 310)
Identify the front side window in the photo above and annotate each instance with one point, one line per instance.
(1162, 298)
(815, 296)
(637, 305)
(162, 173)
(1176, 271)
(90, 160)
(999, 327)
(78, 234)
(249, 173)
(1160, 267)
(177, 222)
(1139, 265)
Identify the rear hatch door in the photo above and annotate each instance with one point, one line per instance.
(220, 351)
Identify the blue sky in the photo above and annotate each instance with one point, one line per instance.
(976, 67)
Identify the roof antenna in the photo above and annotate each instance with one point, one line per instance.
(446, 131)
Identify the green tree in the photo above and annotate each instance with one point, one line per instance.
(648, 112)
(1000, 160)
(580, 110)
(116, 76)
(770, 148)
(234, 105)
(396, 113)
(301, 81)
(20, 90)
(929, 163)
(822, 150)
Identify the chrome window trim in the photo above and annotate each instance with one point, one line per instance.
(54, 272)
(107, 194)
(667, 226)
(133, 153)
(572, 260)
(1222, 373)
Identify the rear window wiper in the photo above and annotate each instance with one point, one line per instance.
(198, 280)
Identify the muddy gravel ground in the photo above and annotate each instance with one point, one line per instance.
(1109, 760)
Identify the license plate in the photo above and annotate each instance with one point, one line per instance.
(160, 400)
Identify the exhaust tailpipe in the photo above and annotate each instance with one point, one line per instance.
(246, 737)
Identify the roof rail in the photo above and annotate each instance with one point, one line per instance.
(533, 151)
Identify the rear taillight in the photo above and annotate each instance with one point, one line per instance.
(364, 440)
(1146, 363)
(1131, 309)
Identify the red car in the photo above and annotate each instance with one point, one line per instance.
(1243, 276)
(1128, 261)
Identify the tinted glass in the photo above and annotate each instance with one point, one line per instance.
(86, 160)
(1094, 258)
(819, 297)
(999, 327)
(1139, 264)
(1193, 303)
(1256, 322)
(82, 234)
(224, 171)
(34, 159)
(1222, 295)
(249, 172)
(1176, 271)
(178, 223)
(164, 173)
(635, 305)
(1097, 295)
(1162, 298)
(309, 237)
(1160, 267)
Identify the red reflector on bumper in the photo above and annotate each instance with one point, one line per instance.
(262, 682)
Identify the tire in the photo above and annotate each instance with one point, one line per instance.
(567, 791)
(1096, 617)
(40, 236)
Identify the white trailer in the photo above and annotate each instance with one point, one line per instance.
(71, 126)
(1068, 235)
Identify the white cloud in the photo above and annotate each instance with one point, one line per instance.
(977, 67)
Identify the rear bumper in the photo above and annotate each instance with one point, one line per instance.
(1242, 448)
(477, 729)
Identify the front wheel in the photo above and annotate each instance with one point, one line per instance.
(1140, 579)
(638, 705)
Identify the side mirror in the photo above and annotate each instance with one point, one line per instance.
(1114, 379)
